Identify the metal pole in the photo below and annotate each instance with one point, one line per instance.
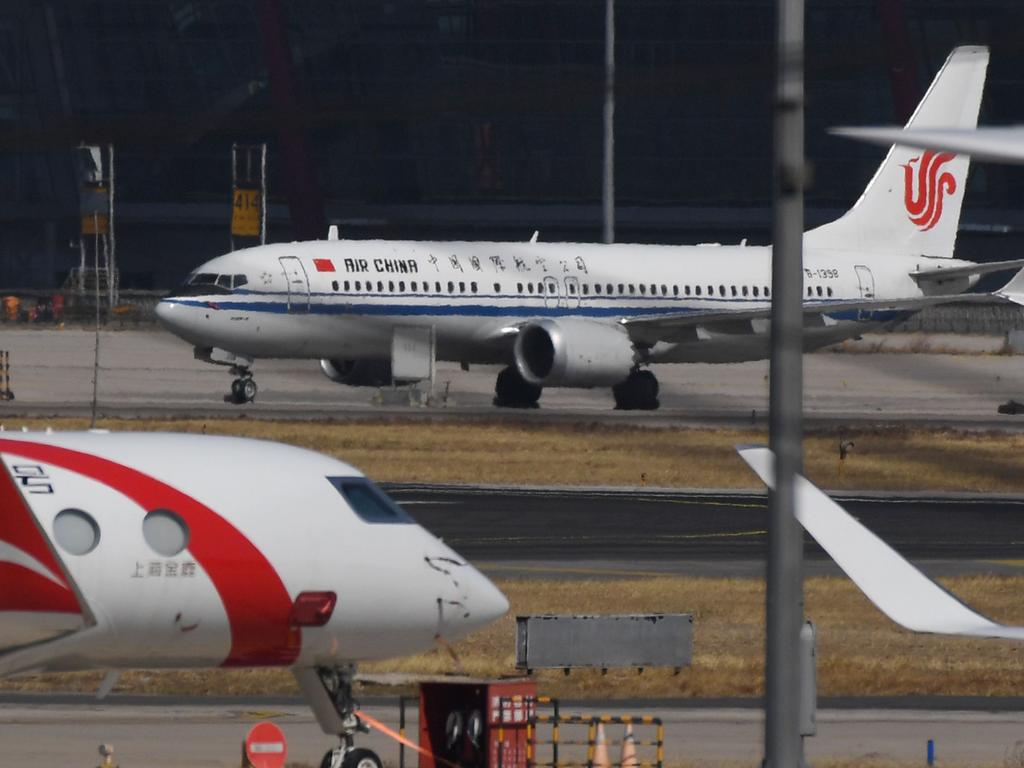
(112, 282)
(234, 186)
(784, 602)
(263, 193)
(96, 301)
(608, 192)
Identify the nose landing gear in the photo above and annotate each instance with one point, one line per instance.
(329, 693)
(243, 388)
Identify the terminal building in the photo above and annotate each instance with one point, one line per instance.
(458, 119)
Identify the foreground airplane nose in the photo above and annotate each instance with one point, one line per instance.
(164, 312)
(486, 602)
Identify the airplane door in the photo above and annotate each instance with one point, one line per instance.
(572, 292)
(298, 284)
(551, 292)
(866, 280)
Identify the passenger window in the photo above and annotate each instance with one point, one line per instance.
(401, 286)
(391, 286)
(830, 291)
(698, 290)
(721, 290)
(368, 501)
(733, 289)
(755, 291)
(359, 286)
(437, 287)
(621, 289)
(810, 291)
(711, 290)
(451, 287)
(643, 288)
(767, 291)
(551, 287)
(572, 289)
(632, 289)
(529, 287)
(462, 287)
(654, 290)
(380, 286)
(664, 290)
(745, 291)
(472, 287)
(610, 291)
(597, 287)
(413, 286)
(586, 289)
(819, 290)
(519, 287)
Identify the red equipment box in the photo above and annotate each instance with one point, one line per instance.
(477, 723)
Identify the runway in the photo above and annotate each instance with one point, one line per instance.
(151, 373)
(191, 734)
(573, 532)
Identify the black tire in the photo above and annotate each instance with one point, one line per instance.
(361, 758)
(512, 391)
(248, 390)
(639, 392)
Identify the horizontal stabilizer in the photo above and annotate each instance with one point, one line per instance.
(940, 273)
(1013, 290)
(894, 585)
(1001, 145)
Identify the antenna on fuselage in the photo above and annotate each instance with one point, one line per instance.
(536, 234)
(332, 232)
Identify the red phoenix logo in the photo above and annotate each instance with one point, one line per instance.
(925, 206)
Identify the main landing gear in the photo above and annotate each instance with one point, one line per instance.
(512, 391)
(639, 392)
(338, 685)
(243, 388)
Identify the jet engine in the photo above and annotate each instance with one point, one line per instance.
(572, 352)
(358, 373)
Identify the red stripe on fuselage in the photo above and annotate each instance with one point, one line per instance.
(26, 590)
(255, 599)
(18, 526)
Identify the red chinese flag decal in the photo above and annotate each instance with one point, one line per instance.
(323, 265)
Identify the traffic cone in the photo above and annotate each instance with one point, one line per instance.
(629, 749)
(601, 749)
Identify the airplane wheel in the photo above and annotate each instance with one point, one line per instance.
(248, 390)
(512, 391)
(361, 758)
(639, 392)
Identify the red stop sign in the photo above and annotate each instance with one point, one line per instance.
(265, 746)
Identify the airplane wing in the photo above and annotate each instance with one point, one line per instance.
(942, 274)
(677, 327)
(1001, 145)
(896, 587)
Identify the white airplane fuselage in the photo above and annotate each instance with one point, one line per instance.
(471, 292)
(162, 550)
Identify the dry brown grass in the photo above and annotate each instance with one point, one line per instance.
(589, 454)
(860, 652)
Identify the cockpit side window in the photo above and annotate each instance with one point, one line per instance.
(203, 278)
(368, 501)
(224, 281)
(241, 280)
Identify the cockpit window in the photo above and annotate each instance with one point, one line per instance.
(240, 280)
(368, 501)
(203, 278)
(224, 281)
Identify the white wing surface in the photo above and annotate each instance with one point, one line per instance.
(893, 584)
(1000, 145)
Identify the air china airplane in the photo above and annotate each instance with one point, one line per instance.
(137, 550)
(589, 315)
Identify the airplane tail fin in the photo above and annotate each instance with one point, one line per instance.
(912, 204)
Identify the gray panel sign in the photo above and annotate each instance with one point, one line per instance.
(412, 353)
(631, 640)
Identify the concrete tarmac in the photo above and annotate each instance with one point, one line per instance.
(150, 372)
(190, 735)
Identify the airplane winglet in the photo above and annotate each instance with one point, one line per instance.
(894, 585)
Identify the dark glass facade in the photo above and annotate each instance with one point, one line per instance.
(459, 118)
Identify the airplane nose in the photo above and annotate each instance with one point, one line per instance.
(486, 602)
(164, 311)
